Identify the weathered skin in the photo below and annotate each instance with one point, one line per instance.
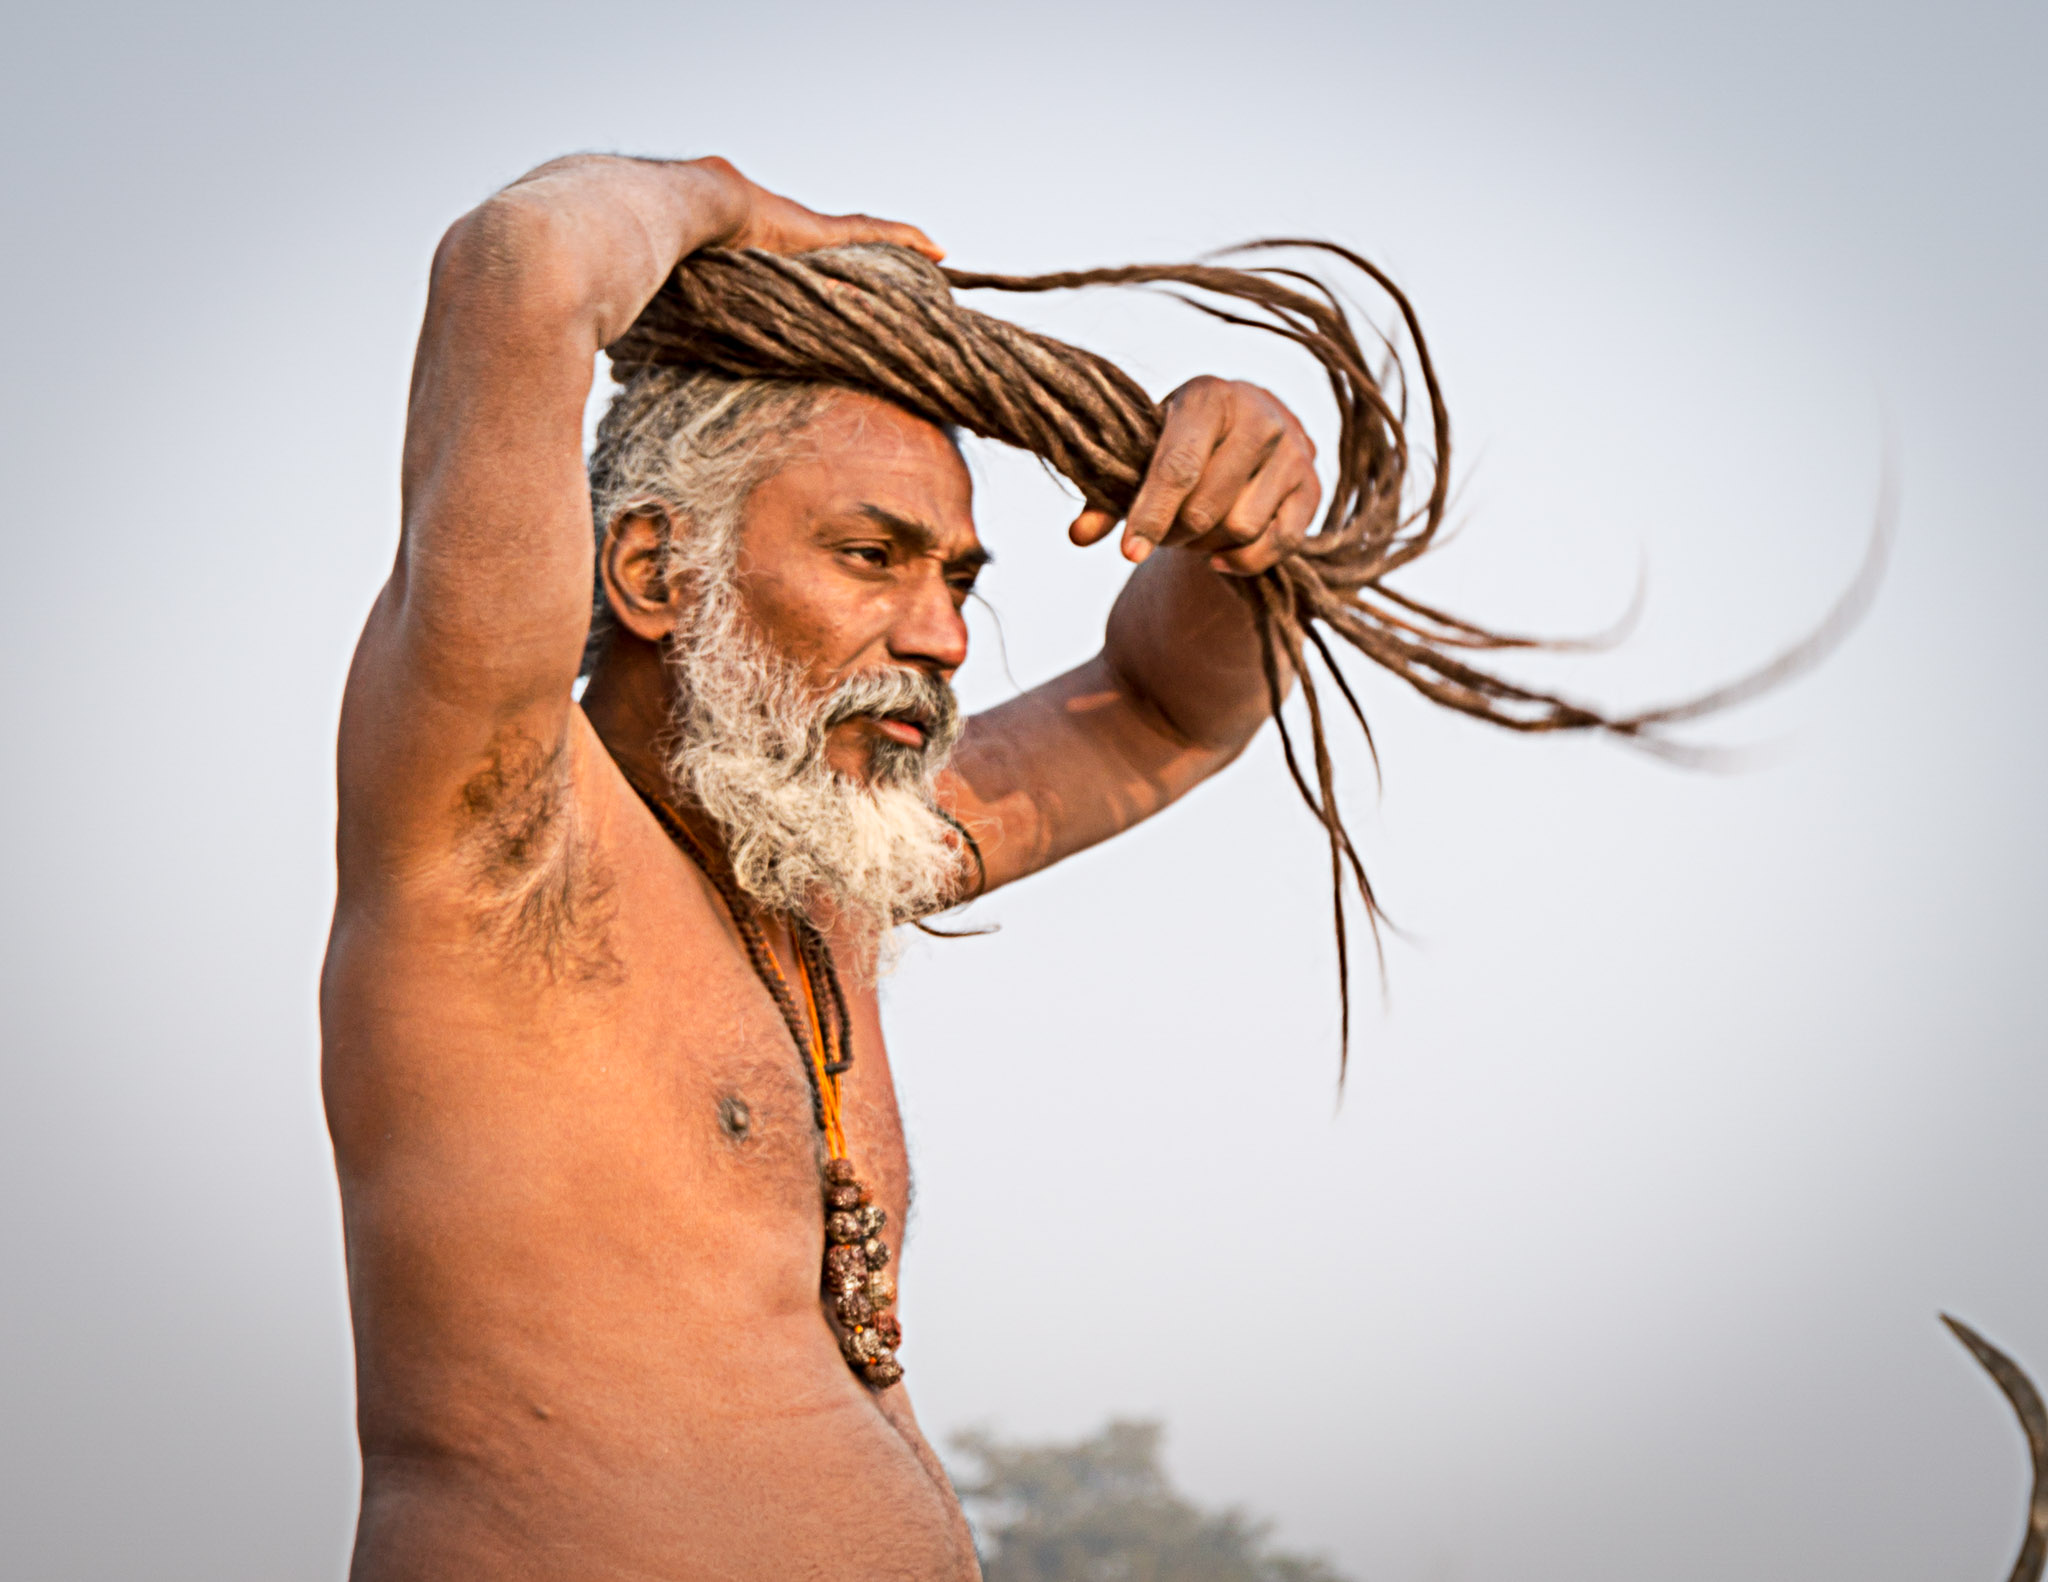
(578, 1164)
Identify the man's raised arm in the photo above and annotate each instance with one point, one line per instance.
(474, 641)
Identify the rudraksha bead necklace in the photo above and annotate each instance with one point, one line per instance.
(857, 1277)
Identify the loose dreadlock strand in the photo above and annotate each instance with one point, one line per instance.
(882, 319)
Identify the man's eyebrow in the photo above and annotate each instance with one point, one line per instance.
(921, 537)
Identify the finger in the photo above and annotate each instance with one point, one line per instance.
(866, 228)
(1092, 526)
(1284, 534)
(1205, 514)
(1289, 468)
(1194, 427)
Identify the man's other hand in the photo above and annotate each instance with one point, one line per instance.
(1234, 475)
(777, 224)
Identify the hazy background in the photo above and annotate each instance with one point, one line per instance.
(1696, 1096)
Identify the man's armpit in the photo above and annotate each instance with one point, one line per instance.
(540, 892)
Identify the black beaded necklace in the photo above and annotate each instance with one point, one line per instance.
(856, 1275)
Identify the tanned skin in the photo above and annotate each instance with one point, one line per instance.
(578, 1165)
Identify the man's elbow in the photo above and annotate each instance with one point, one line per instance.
(1205, 725)
(515, 252)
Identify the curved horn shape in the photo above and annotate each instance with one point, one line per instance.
(2026, 1405)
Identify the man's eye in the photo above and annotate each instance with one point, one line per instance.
(868, 554)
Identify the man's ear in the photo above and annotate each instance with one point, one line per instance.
(631, 561)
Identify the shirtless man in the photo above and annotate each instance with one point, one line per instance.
(579, 1166)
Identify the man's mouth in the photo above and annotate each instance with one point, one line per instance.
(900, 728)
(912, 714)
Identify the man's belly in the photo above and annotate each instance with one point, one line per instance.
(577, 1414)
(868, 1512)
(679, 1492)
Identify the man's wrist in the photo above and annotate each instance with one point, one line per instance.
(719, 200)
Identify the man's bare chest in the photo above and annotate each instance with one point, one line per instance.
(651, 1130)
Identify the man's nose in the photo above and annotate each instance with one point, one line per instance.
(929, 631)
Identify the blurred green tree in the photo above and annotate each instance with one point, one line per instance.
(1102, 1510)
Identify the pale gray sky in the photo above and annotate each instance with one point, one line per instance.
(1696, 1096)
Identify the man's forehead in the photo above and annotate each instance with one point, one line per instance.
(856, 424)
(866, 457)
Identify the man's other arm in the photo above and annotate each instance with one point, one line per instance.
(1179, 688)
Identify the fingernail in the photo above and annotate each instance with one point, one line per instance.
(1218, 563)
(1140, 548)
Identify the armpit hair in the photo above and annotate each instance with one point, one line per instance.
(542, 895)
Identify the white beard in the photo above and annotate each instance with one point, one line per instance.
(748, 746)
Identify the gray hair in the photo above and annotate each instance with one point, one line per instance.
(694, 443)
